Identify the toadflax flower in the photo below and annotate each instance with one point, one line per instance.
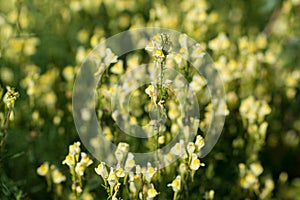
(178, 149)
(195, 162)
(102, 171)
(56, 175)
(160, 47)
(150, 90)
(176, 184)
(129, 163)
(112, 178)
(151, 192)
(43, 169)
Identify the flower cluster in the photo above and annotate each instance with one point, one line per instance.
(53, 177)
(77, 162)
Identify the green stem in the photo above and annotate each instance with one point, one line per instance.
(4, 129)
(175, 196)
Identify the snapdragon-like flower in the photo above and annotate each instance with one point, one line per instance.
(151, 193)
(56, 175)
(43, 169)
(176, 184)
(10, 97)
(256, 168)
(199, 143)
(160, 47)
(102, 171)
(85, 161)
(149, 172)
(129, 163)
(112, 178)
(69, 160)
(103, 58)
(178, 149)
(150, 91)
(191, 148)
(120, 172)
(195, 162)
(74, 149)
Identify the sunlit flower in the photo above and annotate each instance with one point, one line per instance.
(178, 149)
(190, 148)
(150, 90)
(149, 173)
(256, 168)
(43, 169)
(112, 178)
(195, 162)
(101, 170)
(57, 176)
(129, 163)
(79, 169)
(117, 68)
(176, 184)
(151, 192)
(69, 160)
(199, 142)
(248, 181)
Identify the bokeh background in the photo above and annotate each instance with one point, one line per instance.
(255, 45)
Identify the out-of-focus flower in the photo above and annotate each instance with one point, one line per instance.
(221, 42)
(199, 142)
(10, 97)
(151, 193)
(43, 169)
(149, 172)
(56, 175)
(117, 68)
(178, 149)
(129, 163)
(256, 168)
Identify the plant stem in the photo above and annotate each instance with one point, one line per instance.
(4, 129)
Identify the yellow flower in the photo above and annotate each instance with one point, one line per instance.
(101, 170)
(117, 68)
(256, 168)
(195, 162)
(85, 159)
(68, 73)
(149, 173)
(150, 90)
(87, 196)
(79, 169)
(69, 160)
(112, 178)
(57, 176)
(190, 148)
(176, 184)
(151, 192)
(129, 163)
(120, 172)
(43, 169)
(249, 180)
(178, 149)
(173, 113)
(199, 143)
(74, 149)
